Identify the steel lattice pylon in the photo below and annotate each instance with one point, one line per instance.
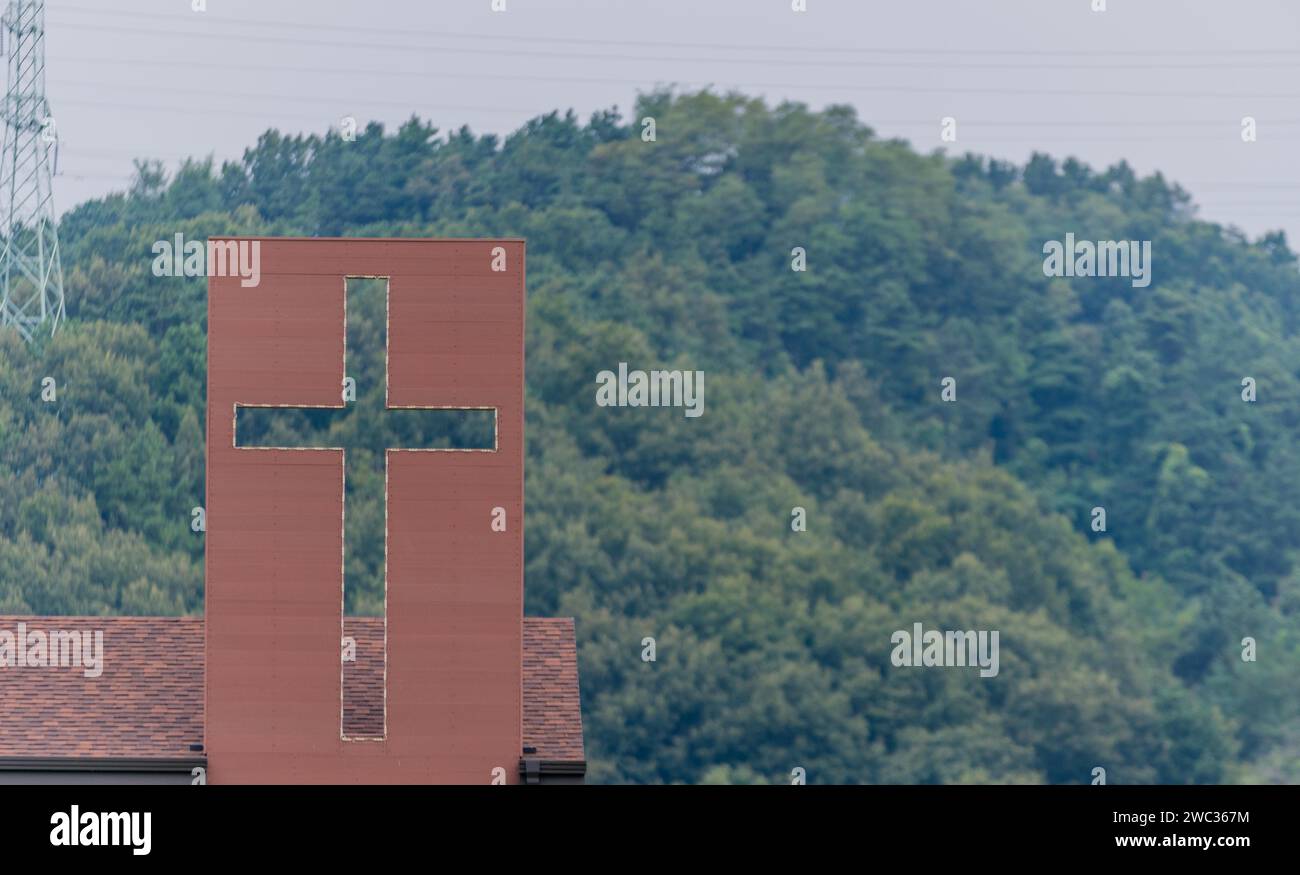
(31, 278)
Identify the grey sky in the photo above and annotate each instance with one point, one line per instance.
(1162, 83)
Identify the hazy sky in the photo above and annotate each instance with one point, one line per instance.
(1162, 83)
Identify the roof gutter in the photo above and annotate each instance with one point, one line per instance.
(534, 770)
(101, 764)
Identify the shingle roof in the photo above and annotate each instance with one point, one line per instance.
(148, 701)
(552, 712)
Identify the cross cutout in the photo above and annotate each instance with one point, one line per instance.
(363, 366)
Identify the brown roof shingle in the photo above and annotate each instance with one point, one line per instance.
(148, 701)
(552, 711)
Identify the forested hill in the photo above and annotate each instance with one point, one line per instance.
(1120, 649)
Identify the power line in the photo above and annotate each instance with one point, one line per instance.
(441, 75)
(769, 48)
(271, 116)
(1231, 123)
(798, 86)
(741, 86)
(189, 110)
(297, 98)
(512, 52)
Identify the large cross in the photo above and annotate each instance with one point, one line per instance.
(365, 412)
(275, 539)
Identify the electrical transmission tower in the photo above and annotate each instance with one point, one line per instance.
(31, 278)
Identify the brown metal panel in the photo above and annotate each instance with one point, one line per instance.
(275, 524)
